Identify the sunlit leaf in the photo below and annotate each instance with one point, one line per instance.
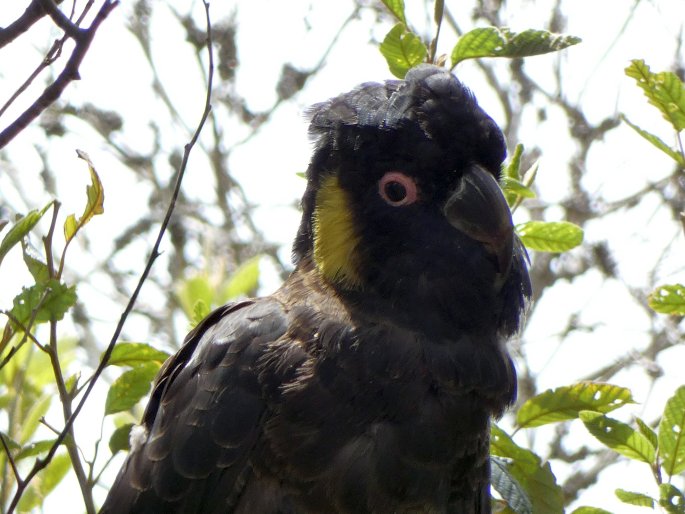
(44, 483)
(29, 424)
(566, 402)
(20, 228)
(668, 299)
(37, 268)
(658, 142)
(527, 468)
(480, 42)
(94, 205)
(508, 487)
(34, 448)
(671, 499)
(200, 311)
(664, 90)
(552, 236)
(402, 50)
(120, 439)
(49, 300)
(632, 498)
(646, 431)
(244, 280)
(134, 354)
(590, 510)
(513, 189)
(11, 443)
(193, 289)
(512, 169)
(672, 434)
(130, 387)
(618, 436)
(494, 42)
(396, 7)
(535, 42)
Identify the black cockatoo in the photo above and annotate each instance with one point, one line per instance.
(367, 382)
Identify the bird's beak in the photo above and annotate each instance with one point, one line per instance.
(478, 209)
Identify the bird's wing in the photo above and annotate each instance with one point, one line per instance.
(191, 452)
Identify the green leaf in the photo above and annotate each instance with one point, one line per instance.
(672, 434)
(664, 90)
(20, 228)
(646, 431)
(590, 510)
(30, 422)
(512, 169)
(396, 7)
(244, 280)
(566, 402)
(134, 354)
(508, 487)
(94, 205)
(130, 387)
(513, 189)
(402, 50)
(50, 300)
(668, 299)
(11, 443)
(671, 499)
(193, 289)
(44, 483)
(637, 499)
(480, 42)
(618, 436)
(200, 311)
(34, 448)
(527, 468)
(535, 42)
(120, 440)
(37, 268)
(658, 142)
(494, 42)
(555, 236)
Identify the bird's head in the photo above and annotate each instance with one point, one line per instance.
(402, 203)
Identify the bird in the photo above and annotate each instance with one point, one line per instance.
(368, 381)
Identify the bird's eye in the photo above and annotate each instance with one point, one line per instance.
(397, 189)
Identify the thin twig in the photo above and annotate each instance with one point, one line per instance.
(31, 15)
(40, 464)
(69, 73)
(61, 20)
(10, 459)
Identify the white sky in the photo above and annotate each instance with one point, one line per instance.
(271, 32)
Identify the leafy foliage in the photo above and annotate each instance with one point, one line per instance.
(557, 236)
(534, 476)
(632, 498)
(94, 205)
(402, 50)
(20, 229)
(567, 402)
(664, 90)
(672, 434)
(618, 436)
(668, 299)
(501, 42)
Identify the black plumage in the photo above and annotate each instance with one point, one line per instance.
(367, 382)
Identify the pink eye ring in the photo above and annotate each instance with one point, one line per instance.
(397, 189)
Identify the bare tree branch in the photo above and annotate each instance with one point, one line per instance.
(69, 73)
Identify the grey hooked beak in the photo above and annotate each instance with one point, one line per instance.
(478, 209)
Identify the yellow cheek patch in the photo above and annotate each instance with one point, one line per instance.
(335, 239)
